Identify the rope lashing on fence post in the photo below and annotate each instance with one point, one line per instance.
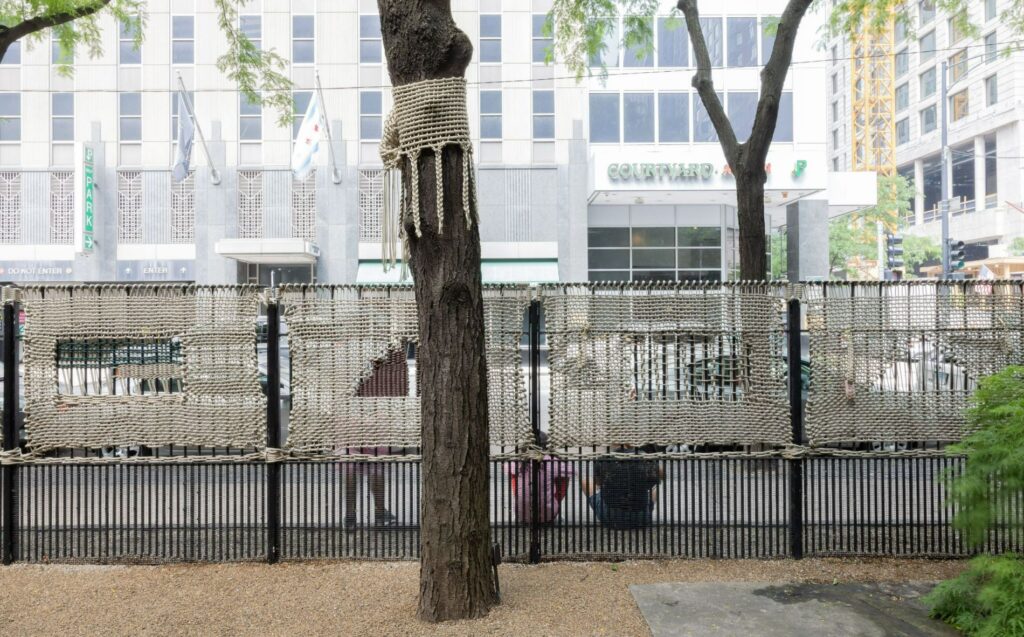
(427, 115)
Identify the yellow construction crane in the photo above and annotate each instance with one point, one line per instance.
(873, 97)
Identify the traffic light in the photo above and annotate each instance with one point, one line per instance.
(956, 255)
(893, 251)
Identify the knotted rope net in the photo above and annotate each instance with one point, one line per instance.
(666, 364)
(898, 362)
(142, 365)
(427, 115)
(346, 391)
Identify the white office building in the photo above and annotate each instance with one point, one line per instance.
(611, 179)
(984, 114)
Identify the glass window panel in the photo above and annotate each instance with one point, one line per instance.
(131, 103)
(369, 26)
(654, 258)
(543, 101)
(928, 119)
(712, 29)
(302, 26)
(543, 126)
(251, 26)
(742, 42)
(903, 131)
(784, 123)
(902, 62)
(300, 102)
(673, 117)
(991, 173)
(654, 275)
(606, 259)
(490, 26)
(13, 54)
(490, 50)
(696, 236)
(653, 237)
(696, 259)
(490, 126)
(932, 190)
(245, 107)
(370, 103)
(490, 102)
(927, 46)
(767, 39)
(926, 10)
(10, 130)
(991, 91)
(703, 129)
(608, 237)
(636, 56)
(63, 129)
(902, 96)
(369, 51)
(990, 10)
(609, 54)
(131, 129)
(63, 104)
(638, 116)
(129, 53)
(622, 275)
(741, 109)
(928, 83)
(370, 127)
(182, 27)
(991, 48)
(541, 43)
(303, 52)
(604, 117)
(183, 52)
(673, 42)
(705, 275)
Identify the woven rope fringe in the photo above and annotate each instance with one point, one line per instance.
(426, 115)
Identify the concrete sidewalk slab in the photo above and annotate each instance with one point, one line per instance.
(787, 610)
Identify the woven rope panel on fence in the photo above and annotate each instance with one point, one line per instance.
(346, 391)
(898, 362)
(666, 365)
(142, 365)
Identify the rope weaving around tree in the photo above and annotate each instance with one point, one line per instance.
(142, 365)
(345, 394)
(899, 362)
(666, 364)
(427, 115)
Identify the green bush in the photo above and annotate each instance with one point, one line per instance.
(988, 599)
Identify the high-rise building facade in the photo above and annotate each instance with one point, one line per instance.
(984, 111)
(613, 178)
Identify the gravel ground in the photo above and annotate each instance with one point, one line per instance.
(375, 598)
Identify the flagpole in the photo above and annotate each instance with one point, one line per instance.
(214, 175)
(335, 175)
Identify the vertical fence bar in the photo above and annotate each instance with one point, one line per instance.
(534, 319)
(796, 472)
(273, 499)
(10, 428)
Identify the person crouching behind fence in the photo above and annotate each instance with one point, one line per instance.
(553, 476)
(624, 491)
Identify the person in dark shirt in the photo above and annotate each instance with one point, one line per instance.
(623, 491)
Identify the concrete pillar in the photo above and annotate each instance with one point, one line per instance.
(807, 240)
(100, 264)
(919, 191)
(979, 173)
(337, 213)
(572, 226)
(215, 212)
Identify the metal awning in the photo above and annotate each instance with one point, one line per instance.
(288, 251)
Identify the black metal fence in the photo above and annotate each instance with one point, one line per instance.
(749, 505)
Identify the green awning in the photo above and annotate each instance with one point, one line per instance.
(492, 271)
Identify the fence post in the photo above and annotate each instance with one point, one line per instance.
(273, 430)
(10, 429)
(796, 467)
(535, 424)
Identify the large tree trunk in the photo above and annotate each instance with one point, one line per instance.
(750, 213)
(422, 42)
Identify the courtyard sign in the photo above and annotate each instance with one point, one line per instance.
(646, 172)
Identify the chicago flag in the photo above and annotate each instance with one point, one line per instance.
(307, 141)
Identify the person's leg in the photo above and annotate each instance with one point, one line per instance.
(588, 487)
(376, 484)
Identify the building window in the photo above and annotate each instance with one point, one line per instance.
(902, 96)
(928, 119)
(955, 34)
(62, 207)
(991, 48)
(654, 254)
(835, 112)
(183, 39)
(990, 10)
(10, 207)
(991, 175)
(608, 54)
(835, 83)
(784, 123)
(835, 164)
(703, 129)
(835, 54)
(712, 28)
(741, 109)
(835, 139)
(129, 206)
(991, 91)
(190, 96)
(10, 117)
(303, 39)
(57, 53)
(903, 131)
(490, 114)
(490, 38)
(959, 105)
(926, 11)
(541, 42)
(928, 83)
(926, 46)
(638, 117)
(371, 115)
(673, 117)
(636, 56)
(902, 62)
(604, 117)
(543, 114)
(300, 102)
(252, 28)
(250, 119)
(250, 204)
(130, 117)
(767, 39)
(742, 47)
(183, 209)
(13, 53)
(673, 43)
(931, 189)
(900, 31)
(128, 51)
(370, 42)
(958, 66)
(62, 117)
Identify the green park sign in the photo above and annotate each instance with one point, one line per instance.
(89, 221)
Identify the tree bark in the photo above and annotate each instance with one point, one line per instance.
(422, 42)
(747, 159)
